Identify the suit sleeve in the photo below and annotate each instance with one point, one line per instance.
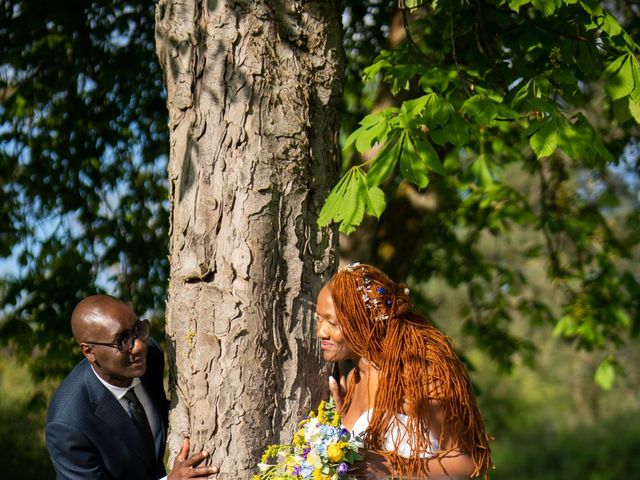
(73, 456)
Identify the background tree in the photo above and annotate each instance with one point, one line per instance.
(81, 87)
(513, 119)
(254, 90)
(82, 180)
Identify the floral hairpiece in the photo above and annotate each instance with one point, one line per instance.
(371, 303)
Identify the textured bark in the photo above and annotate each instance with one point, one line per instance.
(253, 92)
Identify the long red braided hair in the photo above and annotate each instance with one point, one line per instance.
(417, 366)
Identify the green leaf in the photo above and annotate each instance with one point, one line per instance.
(547, 7)
(413, 166)
(455, 132)
(521, 94)
(622, 109)
(566, 327)
(428, 155)
(605, 374)
(410, 4)
(481, 108)
(545, 140)
(634, 109)
(416, 106)
(635, 71)
(348, 201)
(386, 159)
(333, 206)
(619, 76)
(437, 78)
(437, 110)
(482, 172)
(372, 127)
(353, 206)
(381, 63)
(370, 135)
(373, 197)
(610, 25)
(516, 4)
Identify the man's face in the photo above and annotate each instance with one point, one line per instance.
(115, 367)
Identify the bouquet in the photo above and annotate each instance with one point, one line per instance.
(321, 450)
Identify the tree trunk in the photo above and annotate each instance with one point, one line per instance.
(253, 92)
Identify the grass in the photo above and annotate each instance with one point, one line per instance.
(23, 454)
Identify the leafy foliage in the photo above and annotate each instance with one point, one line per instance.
(512, 115)
(82, 167)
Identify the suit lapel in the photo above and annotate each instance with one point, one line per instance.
(158, 407)
(109, 410)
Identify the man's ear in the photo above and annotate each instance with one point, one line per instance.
(87, 351)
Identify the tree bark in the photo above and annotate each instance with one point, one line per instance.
(253, 93)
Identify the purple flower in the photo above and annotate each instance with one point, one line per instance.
(342, 468)
(296, 470)
(305, 452)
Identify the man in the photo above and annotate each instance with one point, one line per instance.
(108, 418)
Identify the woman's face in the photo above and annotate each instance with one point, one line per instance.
(332, 342)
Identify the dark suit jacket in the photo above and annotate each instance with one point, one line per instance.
(90, 436)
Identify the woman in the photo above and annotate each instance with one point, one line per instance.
(409, 396)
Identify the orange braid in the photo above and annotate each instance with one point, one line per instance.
(417, 366)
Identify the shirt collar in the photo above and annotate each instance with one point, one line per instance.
(117, 392)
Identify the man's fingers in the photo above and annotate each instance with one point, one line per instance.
(196, 459)
(184, 451)
(201, 472)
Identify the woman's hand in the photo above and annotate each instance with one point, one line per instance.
(338, 391)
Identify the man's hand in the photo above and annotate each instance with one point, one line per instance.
(184, 467)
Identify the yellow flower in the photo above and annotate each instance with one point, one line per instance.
(334, 452)
(321, 414)
(298, 438)
(318, 475)
(336, 420)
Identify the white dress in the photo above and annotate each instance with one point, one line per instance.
(396, 435)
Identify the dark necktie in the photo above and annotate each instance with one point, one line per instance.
(140, 419)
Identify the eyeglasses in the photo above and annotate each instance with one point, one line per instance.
(125, 341)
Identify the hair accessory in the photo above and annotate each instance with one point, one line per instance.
(370, 297)
(407, 291)
(351, 267)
